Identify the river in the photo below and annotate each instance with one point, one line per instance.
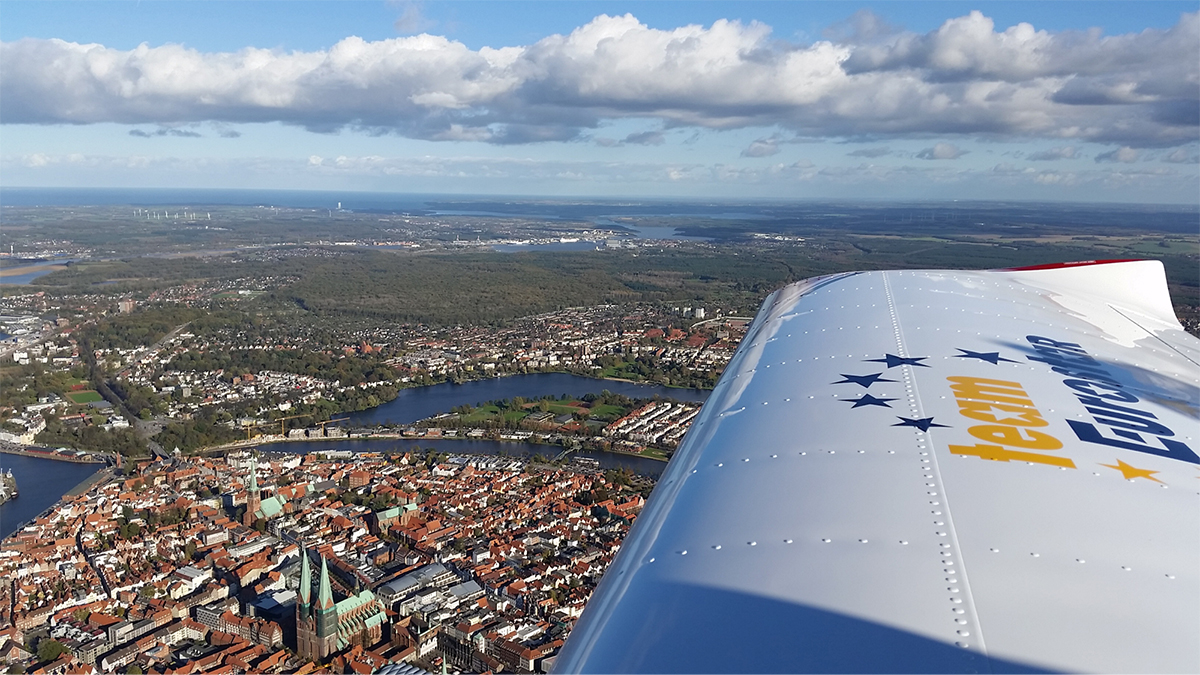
(41, 483)
(421, 402)
(608, 460)
(33, 270)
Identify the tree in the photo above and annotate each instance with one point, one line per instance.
(49, 650)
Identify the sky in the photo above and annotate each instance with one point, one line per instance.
(1064, 101)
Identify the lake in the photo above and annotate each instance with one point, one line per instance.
(41, 483)
(421, 402)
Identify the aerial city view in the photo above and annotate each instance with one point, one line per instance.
(356, 337)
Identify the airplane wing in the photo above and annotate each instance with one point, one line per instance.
(927, 471)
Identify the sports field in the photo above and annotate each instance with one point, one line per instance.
(84, 397)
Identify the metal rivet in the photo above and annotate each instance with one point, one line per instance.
(717, 547)
(1036, 555)
(1080, 560)
(752, 543)
(1127, 569)
(862, 541)
(964, 633)
(826, 540)
(903, 543)
(787, 541)
(683, 553)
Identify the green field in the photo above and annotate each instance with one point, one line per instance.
(488, 412)
(607, 412)
(84, 397)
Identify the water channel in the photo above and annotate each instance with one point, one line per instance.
(608, 460)
(421, 402)
(42, 482)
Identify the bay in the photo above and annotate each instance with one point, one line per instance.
(420, 402)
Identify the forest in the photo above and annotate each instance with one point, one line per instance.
(487, 287)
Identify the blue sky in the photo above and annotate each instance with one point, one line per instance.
(1076, 101)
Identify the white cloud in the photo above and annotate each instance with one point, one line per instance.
(763, 147)
(1182, 156)
(942, 151)
(870, 152)
(868, 79)
(1123, 155)
(1063, 152)
(646, 138)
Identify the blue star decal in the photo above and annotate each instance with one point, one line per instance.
(864, 380)
(923, 423)
(892, 360)
(868, 399)
(993, 358)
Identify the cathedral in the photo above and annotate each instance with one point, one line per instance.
(324, 628)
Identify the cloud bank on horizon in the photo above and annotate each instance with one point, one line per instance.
(870, 82)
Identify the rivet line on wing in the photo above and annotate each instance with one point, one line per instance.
(968, 633)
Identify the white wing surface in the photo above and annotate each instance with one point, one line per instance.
(928, 471)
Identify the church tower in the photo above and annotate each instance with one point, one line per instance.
(325, 615)
(305, 626)
(252, 502)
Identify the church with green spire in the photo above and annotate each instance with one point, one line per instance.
(324, 627)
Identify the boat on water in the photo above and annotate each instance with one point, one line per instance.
(8, 486)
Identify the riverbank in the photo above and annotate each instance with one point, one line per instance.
(43, 482)
(274, 440)
(89, 483)
(416, 403)
(48, 453)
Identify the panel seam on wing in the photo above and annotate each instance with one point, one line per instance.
(912, 393)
